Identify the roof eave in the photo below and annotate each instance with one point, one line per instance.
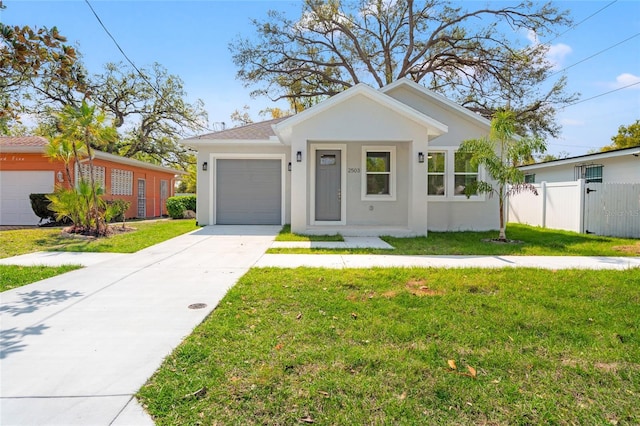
(584, 158)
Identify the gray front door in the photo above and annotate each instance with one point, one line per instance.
(328, 179)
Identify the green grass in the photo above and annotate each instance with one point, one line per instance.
(535, 242)
(373, 347)
(286, 235)
(12, 276)
(148, 233)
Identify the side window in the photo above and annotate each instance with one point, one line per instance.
(593, 174)
(379, 173)
(436, 177)
(530, 178)
(464, 172)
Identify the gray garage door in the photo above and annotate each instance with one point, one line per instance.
(248, 192)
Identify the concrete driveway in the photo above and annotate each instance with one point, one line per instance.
(77, 347)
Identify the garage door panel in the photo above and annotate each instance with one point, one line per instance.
(15, 187)
(248, 192)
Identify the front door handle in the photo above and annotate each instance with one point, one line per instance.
(339, 195)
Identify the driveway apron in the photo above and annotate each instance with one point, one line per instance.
(77, 347)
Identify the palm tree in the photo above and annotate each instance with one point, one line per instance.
(82, 130)
(500, 154)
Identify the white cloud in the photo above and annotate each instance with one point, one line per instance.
(556, 53)
(627, 79)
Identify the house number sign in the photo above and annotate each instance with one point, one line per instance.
(353, 170)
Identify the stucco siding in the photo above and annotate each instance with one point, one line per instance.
(460, 127)
(621, 169)
(355, 123)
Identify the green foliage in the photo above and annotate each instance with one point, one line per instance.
(36, 63)
(151, 119)
(335, 45)
(119, 207)
(372, 347)
(176, 206)
(500, 154)
(40, 206)
(627, 137)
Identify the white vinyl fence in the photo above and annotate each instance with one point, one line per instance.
(611, 209)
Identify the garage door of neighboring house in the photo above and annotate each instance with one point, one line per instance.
(15, 187)
(248, 192)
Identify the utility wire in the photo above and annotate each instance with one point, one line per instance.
(144, 77)
(581, 22)
(601, 94)
(592, 56)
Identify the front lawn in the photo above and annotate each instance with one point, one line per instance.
(13, 276)
(410, 346)
(534, 242)
(23, 241)
(146, 234)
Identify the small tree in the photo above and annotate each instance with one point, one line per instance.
(500, 154)
(81, 129)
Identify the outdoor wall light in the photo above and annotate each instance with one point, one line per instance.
(204, 166)
(299, 156)
(60, 176)
(421, 157)
(289, 166)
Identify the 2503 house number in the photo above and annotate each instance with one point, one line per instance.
(353, 170)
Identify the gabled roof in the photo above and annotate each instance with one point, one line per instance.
(433, 96)
(254, 131)
(435, 128)
(635, 151)
(37, 144)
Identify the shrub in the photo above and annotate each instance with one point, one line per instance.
(119, 207)
(40, 206)
(176, 206)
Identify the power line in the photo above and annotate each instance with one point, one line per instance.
(144, 77)
(601, 94)
(581, 22)
(592, 56)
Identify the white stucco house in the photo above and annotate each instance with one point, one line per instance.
(363, 162)
(617, 166)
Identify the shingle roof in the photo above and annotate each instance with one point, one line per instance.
(14, 141)
(253, 131)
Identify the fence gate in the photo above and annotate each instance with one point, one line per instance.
(612, 209)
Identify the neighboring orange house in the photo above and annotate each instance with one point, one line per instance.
(25, 170)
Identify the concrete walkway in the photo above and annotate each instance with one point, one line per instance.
(337, 261)
(77, 347)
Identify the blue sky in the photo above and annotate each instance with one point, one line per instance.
(190, 38)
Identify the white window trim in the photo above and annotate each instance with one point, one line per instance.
(443, 174)
(392, 173)
(449, 173)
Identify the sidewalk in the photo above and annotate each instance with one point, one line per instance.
(338, 261)
(77, 347)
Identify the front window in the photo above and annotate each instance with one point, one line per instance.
(436, 178)
(379, 168)
(465, 173)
